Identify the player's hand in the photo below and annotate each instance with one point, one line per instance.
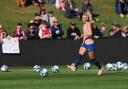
(81, 36)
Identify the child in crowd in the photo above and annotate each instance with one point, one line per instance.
(19, 33)
(44, 31)
(51, 18)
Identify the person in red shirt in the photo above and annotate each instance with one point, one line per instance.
(19, 33)
(44, 31)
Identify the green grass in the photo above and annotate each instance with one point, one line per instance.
(25, 78)
(11, 14)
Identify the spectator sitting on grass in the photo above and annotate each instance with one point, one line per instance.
(44, 15)
(41, 7)
(115, 32)
(73, 32)
(44, 31)
(124, 33)
(60, 4)
(19, 33)
(3, 33)
(87, 8)
(56, 29)
(31, 34)
(37, 23)
(51, 18)
(100, 31)
(70, 10)
(41, 16)
(121, 7)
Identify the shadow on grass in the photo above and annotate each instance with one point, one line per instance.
(36, 76)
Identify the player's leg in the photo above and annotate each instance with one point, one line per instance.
(96, 62)
(82, 50)
(93, 60)
(79, 56)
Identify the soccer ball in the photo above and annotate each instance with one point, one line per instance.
(4, 68)
(73, 64)
(119, 65)
(87, 66)
(36, 68)
(44, 72)
(109, 66)
(114, 67)
(55, 69)
(125, 66)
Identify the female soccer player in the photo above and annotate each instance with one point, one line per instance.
(88, 45)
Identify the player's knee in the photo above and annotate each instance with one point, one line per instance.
(81, 53)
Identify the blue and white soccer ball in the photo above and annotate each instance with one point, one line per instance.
(114, 67)
(87, 66)
(125, 66)
(109, 66)
(55, 69)
(36, 68)
(4, 68)
(44, 72)
(119, 65)
(73, 64)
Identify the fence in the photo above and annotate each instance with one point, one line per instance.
(61, 52)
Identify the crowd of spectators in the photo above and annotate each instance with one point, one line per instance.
(45, 24)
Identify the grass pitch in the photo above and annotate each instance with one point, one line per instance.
(25, 78)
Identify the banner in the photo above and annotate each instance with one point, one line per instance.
(10, 46)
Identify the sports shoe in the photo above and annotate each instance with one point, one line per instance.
(101, 71)
(72, 68)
